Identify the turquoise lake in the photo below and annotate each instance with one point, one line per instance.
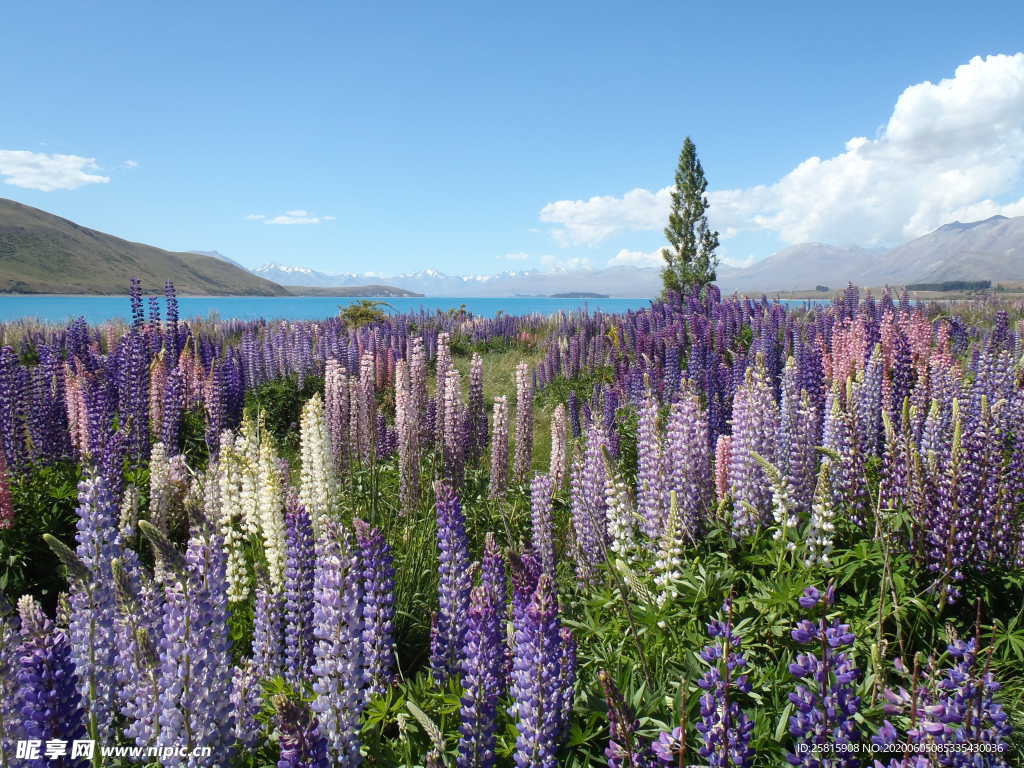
(95, 309)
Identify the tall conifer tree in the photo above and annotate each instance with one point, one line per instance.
(690, 259)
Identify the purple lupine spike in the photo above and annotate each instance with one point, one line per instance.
(824, 700)
(92, 631)
(338, 675)
(524, 422)
(626, 748)
(476, 414)
(589, 506)
(268, 633)
(302, 746)
(195, 669)
(536, 677)
(454, 585)
(725, 728)
(298, 593)
(482, 672)
(378, 575)
(688, 463)
(49, 703)
(754, 427)
(652, 494)
(542, 535)
(499, 449)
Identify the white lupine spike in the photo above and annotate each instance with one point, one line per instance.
(621, 514)
(670, 555)
(316, 480)
(271, 513)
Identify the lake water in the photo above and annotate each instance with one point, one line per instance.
(95, 309)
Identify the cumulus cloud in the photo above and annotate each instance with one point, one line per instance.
(950, 150)
(297, 216)
(46, 173)
(630, 258)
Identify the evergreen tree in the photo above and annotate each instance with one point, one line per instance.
(690, 260)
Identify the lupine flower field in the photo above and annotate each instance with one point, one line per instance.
(715, 532)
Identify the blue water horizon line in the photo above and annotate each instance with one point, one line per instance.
(62, 308)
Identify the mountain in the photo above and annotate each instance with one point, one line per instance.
(619, 281)
(43, 253)
(992, 249)
(222, 257)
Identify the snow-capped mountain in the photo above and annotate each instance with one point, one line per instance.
(621, 281)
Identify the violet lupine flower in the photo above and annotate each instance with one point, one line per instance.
(10, 717)
(589, 506)
(669, 746)
(172, 408)
(688, 462)
(94, 613)
(378, 610)
(558, 463)
(195, 668)
(453, 442)
(538, 683)
(626, 749)
(499, 448)
(494, 578)
(482, 671)
(824, 699)
(754, 427)
(49, 704)
(849, 486)
(652, 496)
(724, 727)
(524, 421)
(298, 593)
(542, 535)
(6, 505)
(449, 629)
(268, 633)
(408, 426)
(476, 413)
(246, 704)
(338, 675)
(302, 746)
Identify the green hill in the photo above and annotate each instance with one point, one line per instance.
(43, 253)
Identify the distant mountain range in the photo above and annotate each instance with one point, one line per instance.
(43, 253)
(985, 250)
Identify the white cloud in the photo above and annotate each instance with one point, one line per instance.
(130, 164)
(37, 170)
(950, 150)
(297, 216)
(556, 264)
(626, 257)
(514, 257)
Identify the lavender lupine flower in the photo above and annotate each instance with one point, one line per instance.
(268, 633)
(378, 609)
(626, 749)
(298, 594)
(10, 717)
(338, 675)
(542, 536)
(849, 488)
(454, 585)
(524, 421)
(499, 448)
(49, 704)
(407, 423)
(94, 612)
(724, 727)
(453, 441)
(688, 462)
(482, 668)
(246, 704)
(195, 669)
(558, 464)
(754, 426)
(494, 579)
(6, 505)
(302, 746)
(476, 414)
(652, 496)
(539, 687)
(589, 475)
(824, 699)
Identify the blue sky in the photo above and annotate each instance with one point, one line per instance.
(479, 137)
